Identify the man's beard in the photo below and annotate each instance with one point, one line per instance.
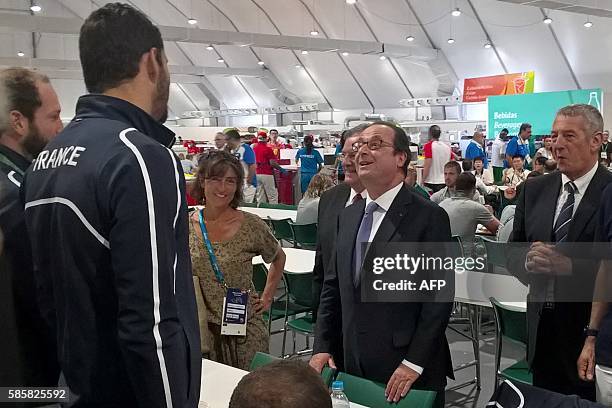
(160, 102)
(34, 143)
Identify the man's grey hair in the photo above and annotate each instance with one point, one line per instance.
(19, 92)
(592, 117)
(356, 130)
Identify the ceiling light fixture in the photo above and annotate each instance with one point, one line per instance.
(345, 54)
(488, 45)
(304, 52)
(261, 63)
(410, 38)
(450, 41)
(298, 66)
(35, 8)
(456, 12)
(547, 20)
(588, 24)
(210, 48)
(314, 32)
(192, 21)
(20, 54)
(382, 58)
(220, 60)
(351, 1)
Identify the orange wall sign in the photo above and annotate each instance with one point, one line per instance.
(477, 89)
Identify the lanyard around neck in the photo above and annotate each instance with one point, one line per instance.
(211, 252)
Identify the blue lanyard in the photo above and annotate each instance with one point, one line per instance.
(211, 252)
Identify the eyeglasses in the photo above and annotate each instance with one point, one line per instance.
(230, 181)
(373, 144)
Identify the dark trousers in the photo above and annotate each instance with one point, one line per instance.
(557, 351)
(435, 187)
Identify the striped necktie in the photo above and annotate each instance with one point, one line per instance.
(565, 216)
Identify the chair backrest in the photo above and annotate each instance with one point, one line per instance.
(282, 229)
(248, 204)
(305, 234)
(260, 277)
(327, 374)
(372, 394)
(299, 288)
(261, 359)
(456, 247)
(496, 252)
(512, 324)
(278, 206)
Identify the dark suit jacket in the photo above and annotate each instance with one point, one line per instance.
(331, 204)
(376, 337)
(533, 221)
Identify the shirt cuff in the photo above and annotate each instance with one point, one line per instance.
(415, 367)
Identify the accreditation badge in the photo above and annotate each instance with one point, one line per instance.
(604, 155)
(234, 314)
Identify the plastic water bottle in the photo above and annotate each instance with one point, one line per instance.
(338, 398)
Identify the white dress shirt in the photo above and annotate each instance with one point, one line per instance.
(384, 203)
(581, 183)
(364, 195)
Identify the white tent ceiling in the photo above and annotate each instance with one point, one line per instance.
(564, 54)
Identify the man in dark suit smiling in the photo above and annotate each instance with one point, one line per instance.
(402, 344)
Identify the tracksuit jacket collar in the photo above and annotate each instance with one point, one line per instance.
(108, 107)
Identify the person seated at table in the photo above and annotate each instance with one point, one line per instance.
(411, 181)
(485, 175)
(465, 214)
(235, 238)
(517, 174)
(511, 193)
(539, 165)
(550, 166)
(281, 384)
(308, 207)
(452, 169)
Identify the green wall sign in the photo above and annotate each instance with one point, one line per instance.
(539, 109)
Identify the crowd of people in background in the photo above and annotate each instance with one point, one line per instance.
(102, 261)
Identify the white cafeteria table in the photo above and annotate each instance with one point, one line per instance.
(218, 382)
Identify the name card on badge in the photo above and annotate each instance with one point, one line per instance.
(234, 315)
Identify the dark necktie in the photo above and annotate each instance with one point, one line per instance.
(356, 198)
(363, 237)
(564, 219)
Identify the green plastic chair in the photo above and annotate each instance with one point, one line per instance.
(299, 292)
(248, 204)
(327, 374)
(305, 235)
(261, 359)
(496, 252)
(511, 325)
(278, 206)
(282, 230)
(372, 394)
(277, 309)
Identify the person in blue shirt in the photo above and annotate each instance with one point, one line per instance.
(246, 155)
(311, 162)
(519, 146)
(475, 150)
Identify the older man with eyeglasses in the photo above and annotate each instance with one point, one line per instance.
(401, 343)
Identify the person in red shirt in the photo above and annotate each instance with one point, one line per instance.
(266, 163)
(275, 143)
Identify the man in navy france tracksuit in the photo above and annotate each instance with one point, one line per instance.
(106, 213)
